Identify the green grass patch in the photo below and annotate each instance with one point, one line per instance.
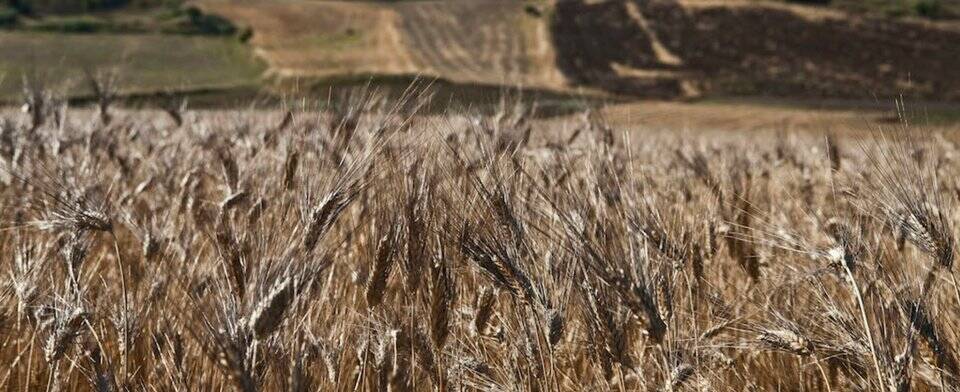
(339, 41)
(936, 116)
(147, 63)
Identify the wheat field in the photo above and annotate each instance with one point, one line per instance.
(358, 245)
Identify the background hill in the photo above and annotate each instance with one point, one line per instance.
(633, 48)
(620, 49)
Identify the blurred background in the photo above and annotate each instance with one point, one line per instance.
(698, 59)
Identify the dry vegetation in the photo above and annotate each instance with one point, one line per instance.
(470, 42)
(362, 247)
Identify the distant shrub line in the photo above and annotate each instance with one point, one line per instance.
(8, 16)
(80, 6)
(172, 18)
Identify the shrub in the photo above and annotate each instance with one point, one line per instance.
(928, 8)
(72, 25)
(8, 16)
(817, 2)
(86, 24)
(245, 34)
(65, 6)
(192, 20)
(209, 23)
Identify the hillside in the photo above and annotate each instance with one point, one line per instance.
(153, 46)
(622, 49)
(667, 49)
(747, 48)
(488, 42)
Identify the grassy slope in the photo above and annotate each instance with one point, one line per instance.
(148, 62)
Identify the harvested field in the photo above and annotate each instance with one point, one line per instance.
(306, 38)
(486, 42)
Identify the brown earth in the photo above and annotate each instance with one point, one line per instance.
(656, 48)
(734, 48)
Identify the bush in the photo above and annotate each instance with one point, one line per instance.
(72, 25)
(85, 24)
(245, 34)
(8, 16)
(817, 2)
(64, 6)
(191, 20)
(171, 18)
(210, 24)
(928, 8)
